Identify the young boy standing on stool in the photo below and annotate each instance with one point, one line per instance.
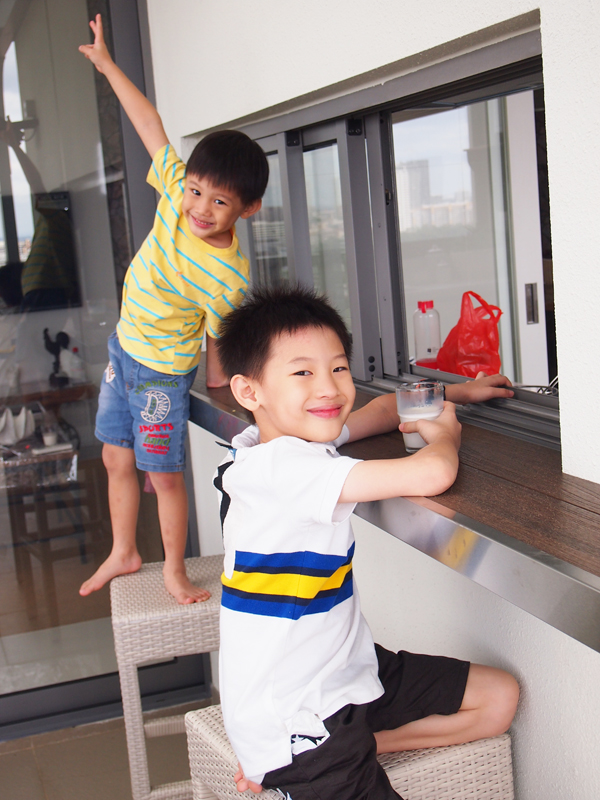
(187, 276)
(307, 698)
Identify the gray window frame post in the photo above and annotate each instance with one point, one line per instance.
(386, 245)
(295, 207)
(362, 284)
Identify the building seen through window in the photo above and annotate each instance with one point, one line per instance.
(268, 230)
(326, 226)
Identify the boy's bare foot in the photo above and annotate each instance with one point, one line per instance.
(115, 564)
(178, 584)
(243, 784)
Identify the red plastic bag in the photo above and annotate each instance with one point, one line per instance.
(472, 344)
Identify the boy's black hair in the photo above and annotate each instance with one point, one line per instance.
(231, 160)
(247, 333)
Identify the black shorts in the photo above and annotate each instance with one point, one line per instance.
(344, 766)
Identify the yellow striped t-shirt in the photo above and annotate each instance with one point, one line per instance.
(177, 285)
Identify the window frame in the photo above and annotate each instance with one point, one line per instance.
(361, 124)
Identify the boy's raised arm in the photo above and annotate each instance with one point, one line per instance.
(10, 136)
(144, 117)
(429, 472)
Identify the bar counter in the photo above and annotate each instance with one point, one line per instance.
(512, 521)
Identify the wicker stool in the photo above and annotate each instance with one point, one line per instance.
(149, 625)
(478, 770)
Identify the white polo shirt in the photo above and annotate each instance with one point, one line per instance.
(295, 647)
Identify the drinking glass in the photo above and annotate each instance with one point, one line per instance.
(422, 400)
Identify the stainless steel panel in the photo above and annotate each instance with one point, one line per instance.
(558, 593)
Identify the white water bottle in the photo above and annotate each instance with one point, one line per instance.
(426, 323)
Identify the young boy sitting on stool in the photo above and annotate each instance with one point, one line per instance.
(308, 699)
(187, 276)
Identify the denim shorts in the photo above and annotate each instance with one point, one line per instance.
(144, 410)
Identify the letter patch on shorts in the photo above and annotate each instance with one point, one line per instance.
(109, 373)
(157, 406)
(157, 443)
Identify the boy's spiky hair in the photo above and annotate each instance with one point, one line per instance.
(247, 333)
(231, 160)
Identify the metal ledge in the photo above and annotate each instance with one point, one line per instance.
(564, 596)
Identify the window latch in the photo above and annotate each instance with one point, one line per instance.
(531, 304)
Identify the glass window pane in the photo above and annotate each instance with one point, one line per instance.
(326, 225)
(62, 156)
(269, 232)
(445, 213)
(455, 231)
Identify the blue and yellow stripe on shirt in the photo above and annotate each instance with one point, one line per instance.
(288, 585)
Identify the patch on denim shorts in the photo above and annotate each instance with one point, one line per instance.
(157, 406)
(109, 373)
(157, 438)
(170, 383)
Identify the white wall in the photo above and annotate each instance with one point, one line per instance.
(215, 62)
(206, 455)
(415, 603)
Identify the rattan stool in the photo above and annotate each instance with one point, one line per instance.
(149, 625)
(478, 770)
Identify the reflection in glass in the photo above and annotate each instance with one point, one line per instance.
(326, 225)
(64, 244)
(269, 232)
(452, 204)
(21, 191)
(41, 245)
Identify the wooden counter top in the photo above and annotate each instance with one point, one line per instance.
(517, 488)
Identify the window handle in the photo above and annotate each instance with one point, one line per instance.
(531, 304)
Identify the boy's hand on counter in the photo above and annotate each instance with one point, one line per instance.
(484, 387)
(446, 425)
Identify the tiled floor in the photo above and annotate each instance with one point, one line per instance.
(86, 763)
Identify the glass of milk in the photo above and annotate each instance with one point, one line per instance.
(422, 400)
